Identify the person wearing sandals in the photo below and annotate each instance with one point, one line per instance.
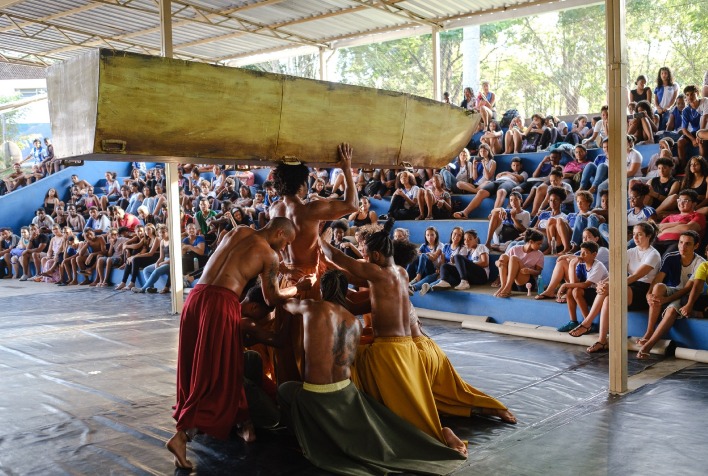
(670, 290)
(506, 224)
(435, 200)
(148, 255)
(642, 266)
(520, 264)
(500, 188)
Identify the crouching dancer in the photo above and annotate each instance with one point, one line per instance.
(376, 441)
(210, 392)
(389, 369)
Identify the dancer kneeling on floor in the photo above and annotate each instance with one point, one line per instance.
(376, 440)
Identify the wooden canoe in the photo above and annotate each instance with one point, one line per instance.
(111, 105)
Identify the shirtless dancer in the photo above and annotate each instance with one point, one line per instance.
(453, 396)
(209, 343)
(390, 369)
(303, 254)
(316, 411)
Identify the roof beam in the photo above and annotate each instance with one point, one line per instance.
(400, 12)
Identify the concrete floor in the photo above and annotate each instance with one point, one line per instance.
(88, 379)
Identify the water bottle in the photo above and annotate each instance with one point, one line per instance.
(196, 264)
(539, 284)
(553, 246)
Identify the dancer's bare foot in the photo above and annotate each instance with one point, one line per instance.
(178, 447)
(454, 442)
(504, 415)
(247, 431)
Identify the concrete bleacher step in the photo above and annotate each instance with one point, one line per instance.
(479, 301)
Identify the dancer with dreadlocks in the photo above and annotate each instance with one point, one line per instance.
(376, 440)
(390, 369)
(302, 257)
(453, 396)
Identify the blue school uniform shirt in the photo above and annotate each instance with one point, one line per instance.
(600, 159)
(448, 252)
(678, 118)
(691, 118)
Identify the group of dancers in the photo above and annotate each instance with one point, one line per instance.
(385, 384)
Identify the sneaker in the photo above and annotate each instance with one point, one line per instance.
(442, 285)
(151, 290)
(425, 289)
(567, 327)
(138, 290)
(411, 291)
(463, 285)
(24, 277)
(383, 217)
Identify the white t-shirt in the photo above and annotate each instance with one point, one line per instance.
(596, 273)
(702, 106)
(637, 258)
(668, 94)
(603, 256)
(412, 194)
(634, 157)
(476, 254)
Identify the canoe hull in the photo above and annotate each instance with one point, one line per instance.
(109, 105)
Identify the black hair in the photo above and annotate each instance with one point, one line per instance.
(381, 240)
(255, 295)
(404, 252)
(593, 231)
(287, 179)
(669, 79)
(333, 285)
(665, 161)
(340, 225)
(640, 188)
(693, 234)
(515, 194)
(559, 192)
(591, 246)
(531, 234)
(690, 193)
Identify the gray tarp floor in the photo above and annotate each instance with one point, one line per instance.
(88, 379)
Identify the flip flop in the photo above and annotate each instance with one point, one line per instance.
(581, 330)
(541, 297)
(562, 299)
(643, 355)
(459, 216)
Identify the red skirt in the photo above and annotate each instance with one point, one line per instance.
(210, 393)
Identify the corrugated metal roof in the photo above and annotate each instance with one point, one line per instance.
(39, 31)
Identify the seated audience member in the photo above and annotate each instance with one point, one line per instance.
(556, 196)
(550, 133)
(483, 169)
(643, 125)
(135, 176)
(111, 191)
(67, 264)
(580, 289)
(339, 230)
(43, 221)
(404, 204)
(694, 132)
(319, 191)
(430, 260)
(675, 123)
(579, 131)
(687, 218)
(60, 215)
(51, 202)
(595, 172)
(695, 178)
(651, 171)
(13, 255)
(48, 262)
(87, 255)
(514, 136)
(37, 244)
(642, 265)
(637, 212)
(565, 266)
(634, 164)
(601, 130)
(8, 241)
(153, 272)
(486, 103)
(507, 224)
(663, 185)
(531, 139)
(112, 259)
(98, 222)
(502, 186)
(641, 92)
(541, 196)
(564, 230)
(147, 255)
(468, 266)
(573, 171)
(120, 219)
(435, 200)
(145, 216)
(363, 216)
(493, 137)
(90, 199)
(665, 95)
(194, 251)
(540, 176)
(461, 181)
(16, 179)
(670, 290)
(520, 264)
(135, 199)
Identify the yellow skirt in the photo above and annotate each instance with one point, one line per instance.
(390, 371)
(453, 396)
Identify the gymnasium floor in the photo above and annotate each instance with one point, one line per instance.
(88, 380)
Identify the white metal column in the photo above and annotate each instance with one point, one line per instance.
(437, 95)
(173, 221)
(616, 81)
